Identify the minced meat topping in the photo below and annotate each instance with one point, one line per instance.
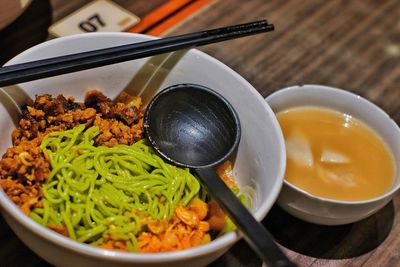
(24, 167)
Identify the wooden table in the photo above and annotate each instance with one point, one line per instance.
(354, 45)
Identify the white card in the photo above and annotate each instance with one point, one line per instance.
(97, 16)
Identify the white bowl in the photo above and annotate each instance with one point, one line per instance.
(259, 162)
(321, 210)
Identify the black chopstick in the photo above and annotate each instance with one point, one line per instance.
(136, 46)
(34, 70)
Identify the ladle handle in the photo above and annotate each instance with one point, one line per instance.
(253, 232)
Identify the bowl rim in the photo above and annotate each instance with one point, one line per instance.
(221, 243)
(295, 89)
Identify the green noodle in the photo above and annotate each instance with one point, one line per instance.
(95, 191)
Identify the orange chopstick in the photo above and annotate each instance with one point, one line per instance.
(173, 21)
(168, 15)
(158, 14)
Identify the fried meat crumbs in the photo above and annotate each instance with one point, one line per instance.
(188, 227)
(24, 167)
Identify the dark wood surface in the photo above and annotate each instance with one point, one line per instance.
(354, 45)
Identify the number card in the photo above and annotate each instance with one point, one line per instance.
(98, 16)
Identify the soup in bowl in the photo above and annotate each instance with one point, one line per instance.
(343, 154)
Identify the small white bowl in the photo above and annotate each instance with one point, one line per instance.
(259, 162)
(321, 210)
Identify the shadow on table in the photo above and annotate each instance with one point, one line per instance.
(13, 252)
(330, 242)
(319, 241)
(238, 256)
(327, 242)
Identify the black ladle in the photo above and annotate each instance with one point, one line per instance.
(194, 127)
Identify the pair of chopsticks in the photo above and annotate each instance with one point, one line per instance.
(34, 70)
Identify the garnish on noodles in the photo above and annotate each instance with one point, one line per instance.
(84, 171)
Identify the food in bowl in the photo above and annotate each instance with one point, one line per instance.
(84, 171)
(335, 155)
(261, 142)
(325, 210)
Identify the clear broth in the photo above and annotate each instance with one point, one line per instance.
(366, 166)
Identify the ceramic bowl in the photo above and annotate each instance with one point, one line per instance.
(321, 210)
(259, 163)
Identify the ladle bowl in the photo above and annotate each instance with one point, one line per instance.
(193, 126)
